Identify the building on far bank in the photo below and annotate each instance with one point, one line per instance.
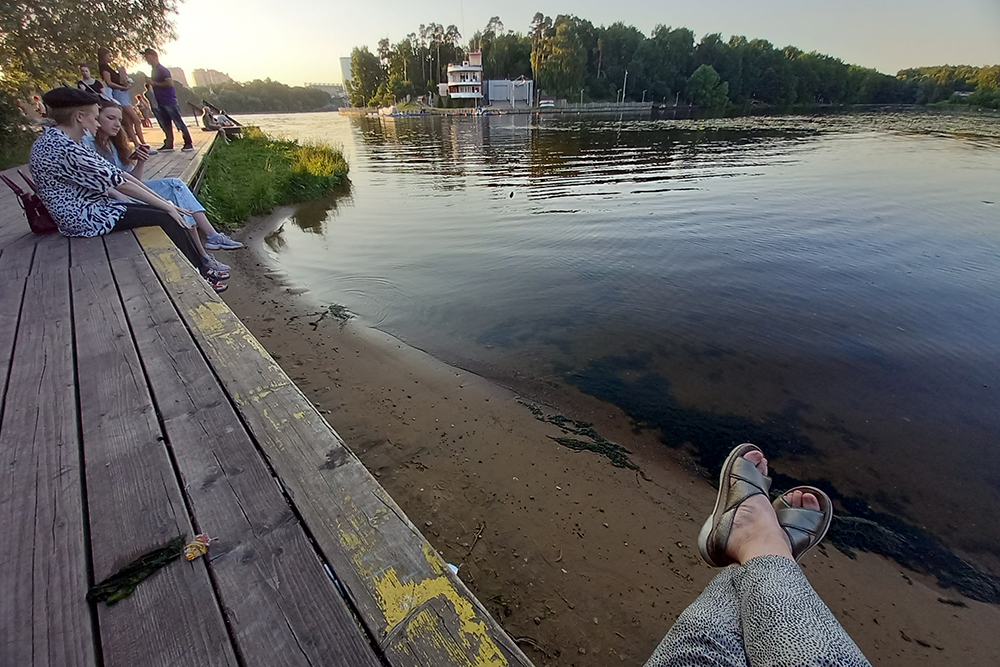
(504, 93)
(465, 81)
(177, 74)
(345, 69)
(210, 77)
(337, 93)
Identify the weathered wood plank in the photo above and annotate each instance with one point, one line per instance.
(134, 501)
(411, 602)
(15, 261)
(282, 606)
(44, 618)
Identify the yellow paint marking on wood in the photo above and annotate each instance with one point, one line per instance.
(401, 601)
(206, 317)
(153, 238)
(160, 248)
(473, 646)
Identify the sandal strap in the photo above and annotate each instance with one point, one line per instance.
(801, 519)
(749, 482)
(802, 525)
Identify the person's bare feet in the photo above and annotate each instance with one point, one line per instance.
(755, 529)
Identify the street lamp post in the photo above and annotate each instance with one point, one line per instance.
(644, 95)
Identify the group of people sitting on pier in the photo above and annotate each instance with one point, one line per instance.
(88, 168)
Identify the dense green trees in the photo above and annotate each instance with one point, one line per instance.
(572, 58)
(42, 43)
(266, 95)
(412, 66)
(707, 89)
(977, 85)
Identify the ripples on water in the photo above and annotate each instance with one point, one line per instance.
(832, 279)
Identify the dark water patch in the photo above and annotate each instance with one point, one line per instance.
(646, 398)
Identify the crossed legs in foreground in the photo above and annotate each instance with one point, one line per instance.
(761, 610)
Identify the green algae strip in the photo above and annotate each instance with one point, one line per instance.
(120, 585)
(595, 442)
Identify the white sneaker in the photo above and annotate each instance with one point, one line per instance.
(212, 264)
(219, 241)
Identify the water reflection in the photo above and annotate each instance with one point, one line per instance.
(313, 216)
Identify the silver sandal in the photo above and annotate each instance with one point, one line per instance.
(749, 482)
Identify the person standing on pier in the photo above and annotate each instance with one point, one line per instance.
(166, 108)
(117, 83)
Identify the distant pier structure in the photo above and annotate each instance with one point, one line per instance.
(334, 90)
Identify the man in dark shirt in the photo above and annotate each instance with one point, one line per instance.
(166, 109)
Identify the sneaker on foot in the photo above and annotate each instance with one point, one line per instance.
(212, 263)
(217, 283)
(165, 148)
(216, 268)
(187, 148)
(219, 241)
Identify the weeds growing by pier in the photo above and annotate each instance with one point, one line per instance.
(253, 174)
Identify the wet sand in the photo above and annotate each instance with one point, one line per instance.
(584, 563)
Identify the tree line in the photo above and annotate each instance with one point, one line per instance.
(262, 96)
(572, 58)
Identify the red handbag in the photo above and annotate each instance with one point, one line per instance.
(39, 218)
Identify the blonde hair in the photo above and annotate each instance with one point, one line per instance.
(65, 115)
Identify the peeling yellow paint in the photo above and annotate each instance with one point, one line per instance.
(206, 317)
(299, 415)
(153, 238)
(469, 644)
(473, 646)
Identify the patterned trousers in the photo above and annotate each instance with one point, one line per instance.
(763, 613)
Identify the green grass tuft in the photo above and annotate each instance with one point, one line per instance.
(253, 174)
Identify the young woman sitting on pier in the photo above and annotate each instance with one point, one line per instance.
(84, 192)
(111, 143)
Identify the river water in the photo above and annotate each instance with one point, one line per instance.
(827, 287)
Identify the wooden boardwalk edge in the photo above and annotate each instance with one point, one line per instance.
(282, 607)
(407, 597)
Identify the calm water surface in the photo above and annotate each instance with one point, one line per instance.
(827, 286)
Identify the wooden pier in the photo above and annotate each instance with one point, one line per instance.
(135, 407)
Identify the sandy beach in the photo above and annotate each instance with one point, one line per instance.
(583, 562)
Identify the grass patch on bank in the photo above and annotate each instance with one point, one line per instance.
(14, 149)
(253, 174)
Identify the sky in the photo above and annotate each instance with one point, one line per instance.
(301, 41)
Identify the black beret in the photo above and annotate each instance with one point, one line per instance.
(64, 96)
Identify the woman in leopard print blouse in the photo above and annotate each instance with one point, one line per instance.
(88, 196)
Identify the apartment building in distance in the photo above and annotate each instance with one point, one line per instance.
(177, 74)
(210, 77)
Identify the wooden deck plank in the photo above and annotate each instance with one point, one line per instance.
(134, 500)
(282, 606)
(411, 602)
(14, 266)
(44, 617)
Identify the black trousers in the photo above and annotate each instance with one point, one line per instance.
(140, 215)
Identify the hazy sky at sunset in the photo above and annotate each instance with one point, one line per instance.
(297, 41)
